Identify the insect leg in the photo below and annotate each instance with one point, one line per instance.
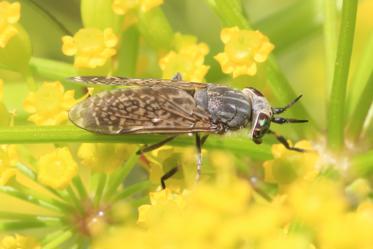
(167, 175)
(155, 146)
(177, 77)
(282, 140)
(203, 139)
(199, 155)
(280, 120)
(282, 109)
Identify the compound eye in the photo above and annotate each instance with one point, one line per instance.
(261, 126)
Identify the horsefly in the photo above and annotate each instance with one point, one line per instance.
(175, 107)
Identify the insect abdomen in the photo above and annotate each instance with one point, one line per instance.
(225, 105)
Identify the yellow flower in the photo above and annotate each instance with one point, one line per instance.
(9, 16)
(8, 158)
(122, 7)
(188, 60)
(49, 104)
(289, 166)
(286, 241)
(57, 168)
(352, 230)
(92, 47)
(160, 202)
(104, 157)
(315, 203)
(211, 215)
(19, 242)
(243, 50)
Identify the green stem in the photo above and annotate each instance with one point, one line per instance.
(155, 29)
(362, 164)
(78, 184)
(22, 216)
(361, 111)
(50, 69)
(49, 204)
(230, 13)
(130, 190)
(336, 112)
(68, 134)
(58, 240)
(102, 177)
(28, 224)
(361, 76)
(128, 52)
(74, 198)
(119, 176)
(330, 39)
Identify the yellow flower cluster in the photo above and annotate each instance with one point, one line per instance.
(289, 166)
(187, 59)
(49, 104)
(243, 50)
(229, 214)
(8, 158)
(122, 7)
(19, 242)
(9, 16)
(57, 168)
(91, 47)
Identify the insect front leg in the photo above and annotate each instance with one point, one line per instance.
(284, 142)
(168, 174)
(155, 146)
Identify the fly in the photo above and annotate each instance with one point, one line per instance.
(176, 107)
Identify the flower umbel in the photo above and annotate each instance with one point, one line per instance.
(9, 16)
(91, 47)
(187, 59)
(49, 104)
(243, 50)
(57, 168)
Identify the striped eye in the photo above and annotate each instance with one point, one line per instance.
(261, 125)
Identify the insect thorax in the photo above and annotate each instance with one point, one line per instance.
(225, 105)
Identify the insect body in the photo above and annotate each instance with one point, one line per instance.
(174, 107)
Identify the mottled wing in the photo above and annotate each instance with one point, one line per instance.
(122, 81)
(141, 110)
